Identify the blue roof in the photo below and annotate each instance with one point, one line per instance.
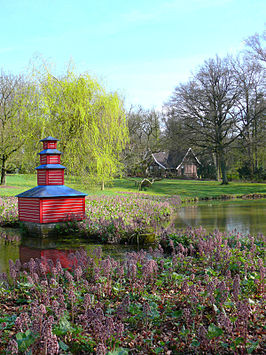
(51, 191)
(51, 166)
(50, 151)
(49, 139)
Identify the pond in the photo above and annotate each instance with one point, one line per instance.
(26, 248)
(246, 216)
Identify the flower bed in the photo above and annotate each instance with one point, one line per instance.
(8, 211)
(122, 218)
(206, 297)
(126, 218)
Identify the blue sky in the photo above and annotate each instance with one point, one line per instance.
(140, 48)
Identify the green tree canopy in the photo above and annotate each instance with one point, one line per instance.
(89, 122)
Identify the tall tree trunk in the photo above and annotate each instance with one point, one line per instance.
(217, 164)
(223, 169)
(250, 153)
(3, 170)
(102, 185)
(256, 144)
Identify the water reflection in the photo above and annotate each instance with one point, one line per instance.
(61, 249)
(64, 256)
(247, 217)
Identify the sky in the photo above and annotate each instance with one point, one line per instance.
(140, 48)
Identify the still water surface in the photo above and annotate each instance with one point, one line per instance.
(247, 217)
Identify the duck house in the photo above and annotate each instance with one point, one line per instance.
(51, 202)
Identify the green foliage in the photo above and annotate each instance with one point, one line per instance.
(183, 239)
(207, 169)
(25, 340)
(89, 122)
(118, 351)
(8, 320)
(245, 173)
(63, 327)
(214, 331)
(63, 346)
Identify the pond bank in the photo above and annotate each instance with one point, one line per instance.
(253, 196)
(131, 217)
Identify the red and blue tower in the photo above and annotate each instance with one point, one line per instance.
(51, 201)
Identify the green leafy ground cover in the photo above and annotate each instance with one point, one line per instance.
(186, 189)
(206, 296)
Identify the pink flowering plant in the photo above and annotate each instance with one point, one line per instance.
(128, 217)
(8, 211)
(195, 293)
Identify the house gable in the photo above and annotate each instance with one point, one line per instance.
(189, 157)
(161, 159)
(184, 163)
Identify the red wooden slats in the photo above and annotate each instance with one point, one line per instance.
(29, 209)
(50, 177)
(28, 200)
(27, 216)
(53, 159)
(52, 210)
(41, 211)
(60, 209)
(49, 159)
(41, 177)
(59, 200)
(71, 200)
(49, 145)
(55, 177)
(57, 209)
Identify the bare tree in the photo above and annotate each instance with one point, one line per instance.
(255, 46)
(250, 77)
(145, 137)
(16, 100)
(207, 107)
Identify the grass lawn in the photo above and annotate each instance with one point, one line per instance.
(184, 188)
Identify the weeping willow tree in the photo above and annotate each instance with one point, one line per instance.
(89, 122)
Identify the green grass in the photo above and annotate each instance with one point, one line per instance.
(186, 189)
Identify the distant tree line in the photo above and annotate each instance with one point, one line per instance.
(219, 112)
